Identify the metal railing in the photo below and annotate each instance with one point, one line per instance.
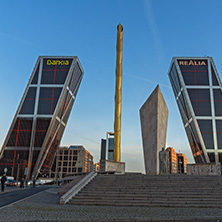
(75, 189)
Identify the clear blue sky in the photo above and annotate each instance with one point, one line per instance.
(154, 32)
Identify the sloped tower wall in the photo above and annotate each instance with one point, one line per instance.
(198, 92)
(41, 117)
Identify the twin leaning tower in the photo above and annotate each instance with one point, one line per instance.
(41, 117)
(43, 112)
(198, 92)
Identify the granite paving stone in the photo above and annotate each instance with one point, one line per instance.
(45, 207)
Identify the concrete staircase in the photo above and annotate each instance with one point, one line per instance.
(152, 191)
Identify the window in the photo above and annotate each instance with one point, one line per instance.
(80, 169)
(200, 100)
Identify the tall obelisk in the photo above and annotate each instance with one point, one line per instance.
(118, 94)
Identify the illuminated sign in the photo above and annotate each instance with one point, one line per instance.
(192, 63)
(57, 62)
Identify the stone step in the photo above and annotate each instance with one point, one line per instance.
(161, 191)
(150, 193)
(159, 177)
(149, 201)
(190, 200)
(148, 175)
(173, 186)
(116, 189)
(132, 197)
(139, 183)
(185, 177)
(131, 203)
(208, 185)
(158, 182)
(201, 205)
(118, 195)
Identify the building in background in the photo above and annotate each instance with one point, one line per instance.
(153, 118)
(73, 160)
(103, 149)
(182, 163)
(107, 147)
(40, 120)
(198, 92)
(173, 160)
(96, 167)
(177, 161)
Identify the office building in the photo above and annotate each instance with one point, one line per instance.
(177, 161)
(73, 160)
(40, 120)
(153, 118)
(107, 148)
(103, 149)
(198, 92)
(173, 160)
(182, 163)
(96, 167)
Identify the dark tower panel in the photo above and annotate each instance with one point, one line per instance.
(29, 102)
(36, 76)
(214, 78)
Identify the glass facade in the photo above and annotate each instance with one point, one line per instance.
(198, 92)
(41, 117)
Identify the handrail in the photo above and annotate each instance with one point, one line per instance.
(75, 189)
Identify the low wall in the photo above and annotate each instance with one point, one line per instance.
(204, 169)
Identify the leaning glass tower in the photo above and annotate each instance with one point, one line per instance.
(198, 92)
(40, 120)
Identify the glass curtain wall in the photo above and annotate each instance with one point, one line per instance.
(197, 89)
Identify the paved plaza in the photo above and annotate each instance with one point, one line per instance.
(44, 206)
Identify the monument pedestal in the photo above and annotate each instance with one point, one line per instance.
(112, 166)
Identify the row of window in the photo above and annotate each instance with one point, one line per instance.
(70, 169)
(67, 163)
(68, 157)
(68, 152)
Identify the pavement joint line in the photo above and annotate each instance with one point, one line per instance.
(8, 205)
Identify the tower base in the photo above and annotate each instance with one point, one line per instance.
(112, 166)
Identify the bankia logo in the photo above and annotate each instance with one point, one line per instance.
(192, 62)
(57, 62)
